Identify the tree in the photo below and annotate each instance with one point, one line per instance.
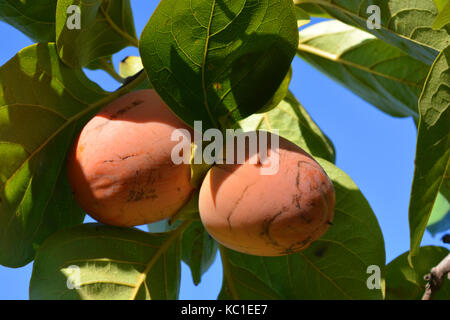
(394, 56)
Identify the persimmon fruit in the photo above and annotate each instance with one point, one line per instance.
(268, 215)
(120, 167)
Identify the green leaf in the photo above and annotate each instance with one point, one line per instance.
(302, 17)
(433, 147)
(404, 24)
(279, 94)
(198, 250)
(42, 105)
(443, 18)
(108, 263)
(381, 74)
(36, 19)
(406, 283)
(218, 60)
(440, 215)
(294, 124)
(333, 267)
(105, 28)
(162, 226)
(313, 10)
(440, 4)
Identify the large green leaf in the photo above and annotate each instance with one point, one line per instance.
(218, 61)
(42, 105)
(405, 283)
(333, 267)
(433, 147)
(443, 18)
(105, 28)
(198, 250)
(36, 19)
(108, 263)
(294, 124)
(381, 74)
(404, 24)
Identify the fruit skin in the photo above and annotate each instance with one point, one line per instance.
(268, 215)
(120, 167)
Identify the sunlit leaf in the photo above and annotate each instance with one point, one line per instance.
(443, 18)
(130, 66)
(42, 105)
(404, 24)
(103, 262)
(381, 74)
(433, 147)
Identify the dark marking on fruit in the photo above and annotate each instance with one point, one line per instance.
(121, 158)
(305, 218)
(126, 157)
(126, 109)
(265, 233)
(296, 200)
(297, 179)
(235, 206)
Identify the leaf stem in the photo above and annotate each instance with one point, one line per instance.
(163, 248)
(111, 71)
(227, 272)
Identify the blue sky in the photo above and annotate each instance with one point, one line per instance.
(376, 150)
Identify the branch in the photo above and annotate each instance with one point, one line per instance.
(436, 278)
(446, 238)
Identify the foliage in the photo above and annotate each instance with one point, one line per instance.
(228, 64)
(404, 282)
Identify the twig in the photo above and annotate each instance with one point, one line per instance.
(436, 278)
(446, 238)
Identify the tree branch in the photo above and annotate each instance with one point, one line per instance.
(436, 278)
(446, 238)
